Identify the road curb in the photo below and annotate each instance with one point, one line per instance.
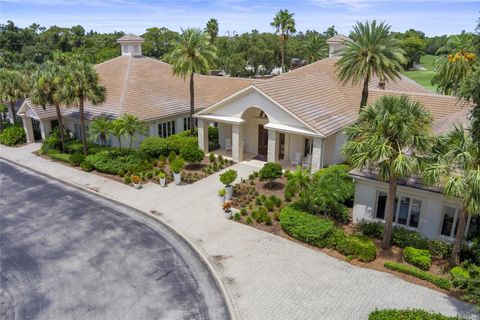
(204, 257)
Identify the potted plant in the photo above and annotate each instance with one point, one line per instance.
(227, 208)
(227, 178)
(177, 166)
(161, 178)
(221, 196)
(136, 182)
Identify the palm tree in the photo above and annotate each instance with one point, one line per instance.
(116, 129)
(131, 126)
(100, 129)
(455, 165)
(46, 91)
(298, 181)
(370, 51)
(315, 47)
(212, 29)
(80, 85)
(193, 54)
(390, 135)
(13, 86)
(3, 111)
(285, 25)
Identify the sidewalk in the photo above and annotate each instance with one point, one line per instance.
(267, 277)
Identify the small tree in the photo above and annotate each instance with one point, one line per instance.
(192, 154)
(3, 111)
(131, 126)
(177, 165)
(116, 129)
(270, 171)
(228, 177)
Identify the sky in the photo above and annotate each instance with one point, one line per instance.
(432, 17)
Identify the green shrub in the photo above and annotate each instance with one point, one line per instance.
(73, 146)
(127, 179)
(270, 171)
(177, 165)
(63, 157)
(269, 204)
(402, 238)
(119, 162)
(155, 147)
(237, 217)
(249, 220)
(392, 314)
(243, 212)
(77, 159)
(440, 249)
(211, 157)
(357, 247)
(475, 250)
(276, 200)
(424, 275)
(268, 220)
(304, 226)
(171, 156)
(460, 277)
(192, 153)
(13, 136)
(228, 177)
(260, 214)
(339, 213)
(53, 142)
(86, 166)
(418, 257)
(177, 141)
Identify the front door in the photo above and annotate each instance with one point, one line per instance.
(37, 134)
(262, 140)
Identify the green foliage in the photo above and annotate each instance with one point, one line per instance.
(192, 153)
(155, 147)
(177, 165)
(424, 275)
(127, 179)
(211, 157)
(249, 220)
(414, 314)
(269, 204)
(355, 246)
(63, 157)
(76, 159)
(228, 177)
(418, 257)
(119, 162)
(402, 238)
(237, 217)
(13, 136)
(86, 166)
(270, 171)
(460, 276)
(243, 212)
(171, 157)
(371, 228)
(440, 249)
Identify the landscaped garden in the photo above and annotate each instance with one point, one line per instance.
(12, 135)
(157, 160)
(316, 211)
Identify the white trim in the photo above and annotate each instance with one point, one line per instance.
(22, 111)
(224, 119)
(291, 129)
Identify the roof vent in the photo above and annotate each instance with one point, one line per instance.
(131, 45)
(336, 43)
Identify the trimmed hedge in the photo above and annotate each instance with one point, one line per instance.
(13, 136)
(156, 146)
(355, 246)
(58, 156)
(424, 275)
(418, 257)
(414, 314)
(119, 162)
(460, 276)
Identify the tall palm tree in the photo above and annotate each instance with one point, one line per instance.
(212, 29)
(13, 86)
(99, 130)
(371, 50)
(285, 25)
(131, 126)
(391, 135)
(455, 165)
(81, 84)
(315, 47)
(47, 83)
(116, 129)
(3, 111)
(192, 54)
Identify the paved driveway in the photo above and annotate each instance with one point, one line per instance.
(66, 254)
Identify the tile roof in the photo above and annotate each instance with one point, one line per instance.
(130, 37)
(337, 38)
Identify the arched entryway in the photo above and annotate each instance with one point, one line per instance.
(255, 135)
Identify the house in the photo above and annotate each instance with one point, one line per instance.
(417, 207)
(297, 118)
(140, 86)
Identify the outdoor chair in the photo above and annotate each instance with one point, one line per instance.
(297, 159)
(228, 144)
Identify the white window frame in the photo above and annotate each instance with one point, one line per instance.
(454, 226)
(397, 210)
(170, 128)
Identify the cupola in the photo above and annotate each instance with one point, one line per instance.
(131, 45)
(335, 43)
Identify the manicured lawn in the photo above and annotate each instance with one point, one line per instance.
(424, 77)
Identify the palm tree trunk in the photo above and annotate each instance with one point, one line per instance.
(457, 245)
(387, 233)
(83, 131)
(12, 110)
(130, 144)
(60, 125)
(363, 103)
(192, 104)
(282, 51)
(1, 122)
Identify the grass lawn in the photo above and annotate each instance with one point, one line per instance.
(424, 77)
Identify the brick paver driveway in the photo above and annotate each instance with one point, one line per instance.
(66, 254)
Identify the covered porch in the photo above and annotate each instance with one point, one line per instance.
(254, 136)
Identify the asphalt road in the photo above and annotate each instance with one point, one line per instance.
(67, 254)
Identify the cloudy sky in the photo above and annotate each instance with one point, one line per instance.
(433, 17)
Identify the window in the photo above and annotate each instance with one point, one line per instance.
(186, 123)
(166, 129)
(407, 210)
(449, 224)
(308, 147)
(281, 146)
(54, 124)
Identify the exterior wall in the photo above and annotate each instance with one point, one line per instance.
(333, 147)
(431, 213)
(224, 132)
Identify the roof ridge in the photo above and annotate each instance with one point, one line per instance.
(414, 93)
(125, 87)
(109, 60)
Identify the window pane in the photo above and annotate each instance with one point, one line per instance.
(173, 127)
(448, 218)
(415, 213)
(474, 227)
(395, 208)
(403, 211)
(185, 126)
(381, 204)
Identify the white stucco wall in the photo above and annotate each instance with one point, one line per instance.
(431, 215)
(333, 147)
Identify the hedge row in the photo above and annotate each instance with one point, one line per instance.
(414, 314)
(418, 257)
(322, 233)
(156, 146)
(416, 272)
(119, 162)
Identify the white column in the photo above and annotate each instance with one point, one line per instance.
(203, 135)
(43, 130)
(237, 142)
(27, 126)
(272, 146)
(317, 155)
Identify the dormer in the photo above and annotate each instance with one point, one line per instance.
(335, 43)
(131, 45)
